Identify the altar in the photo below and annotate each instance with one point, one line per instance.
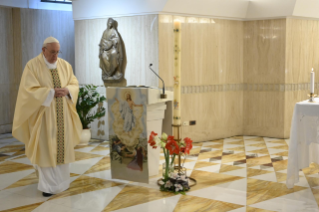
(304, 139)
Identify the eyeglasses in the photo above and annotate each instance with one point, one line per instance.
(53, 52)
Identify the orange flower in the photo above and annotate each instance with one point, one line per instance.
(172, 146)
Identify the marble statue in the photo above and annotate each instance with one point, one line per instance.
(112, 54)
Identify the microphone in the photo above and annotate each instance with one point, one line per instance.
(163, 95)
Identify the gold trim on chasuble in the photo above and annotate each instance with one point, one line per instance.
(59, 118)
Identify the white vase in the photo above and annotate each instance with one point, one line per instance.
(85, 137)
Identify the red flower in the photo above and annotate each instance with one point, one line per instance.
(172, 147)
(170, 138)
(151, 140)
(188, 145)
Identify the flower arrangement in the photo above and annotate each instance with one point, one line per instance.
(173, 182)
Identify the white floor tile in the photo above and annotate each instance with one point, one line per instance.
(243, 209)
(79, 167)
(161, 205)
(106, 175)
(104, 152)
(86, 149)
(214, 168)
(297, 201)
(240, 185)
(268, 177)
(92, 201)
(22, 160)
(49, 207)
(274, 151)
(10, 178)
(238, 172)
(16, 200)
(221, 194)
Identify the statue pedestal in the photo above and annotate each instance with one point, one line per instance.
(135, 160)
(122, 83)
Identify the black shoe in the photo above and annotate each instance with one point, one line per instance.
(46, 194)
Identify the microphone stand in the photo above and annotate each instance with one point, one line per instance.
(163, 95)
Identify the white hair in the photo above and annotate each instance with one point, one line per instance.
(49, 40)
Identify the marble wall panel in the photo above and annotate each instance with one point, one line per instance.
(37, 25)
(140, 35)
(6, 69)
(264, 51)
(264, 75)
(302, 54)
(212, 74)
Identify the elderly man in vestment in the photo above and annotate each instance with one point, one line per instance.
(45, 117)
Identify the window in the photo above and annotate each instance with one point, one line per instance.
(58, 1)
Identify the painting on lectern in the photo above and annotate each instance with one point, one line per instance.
(128, 135)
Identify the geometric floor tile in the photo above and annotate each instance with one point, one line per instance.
(85, 184)
(207, 179)
(8, 167)
(237, 174)
(223, 194)
(201, 164)
(285, 153)
(135, 195)
(233, 157)
(102, 165)
(165, 204)
(258, 161)
(282, 147)
(280, 165)
(254, 172)
(192, 203)
(251, 209)
(268, 177)
(10, 178)
(25, 208)
(90, 201)
(312, 169)
(261, 190)
(83, 155)
(226, 168)
(211, 154)
(296, 201)
(260, 151)
(99, 148)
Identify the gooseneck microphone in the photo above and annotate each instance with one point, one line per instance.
(163, 95)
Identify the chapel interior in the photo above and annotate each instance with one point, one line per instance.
(245, 65)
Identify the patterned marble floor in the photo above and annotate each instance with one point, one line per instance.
(237, 174)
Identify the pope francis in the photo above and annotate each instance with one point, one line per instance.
(45, 117)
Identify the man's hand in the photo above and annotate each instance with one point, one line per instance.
(60, 92)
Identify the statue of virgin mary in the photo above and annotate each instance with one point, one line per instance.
(112, 54)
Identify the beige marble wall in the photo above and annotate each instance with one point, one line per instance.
(140, 35)
(302, 54)
(37, 25)
(6, 73)
(212, 74)
(264, 77)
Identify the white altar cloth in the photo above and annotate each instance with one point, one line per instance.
(304, 139)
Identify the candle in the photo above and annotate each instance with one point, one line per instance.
(312, 81)
(177, 73)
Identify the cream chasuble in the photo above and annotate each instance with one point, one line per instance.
(49, 133)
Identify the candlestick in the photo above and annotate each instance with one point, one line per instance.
(312, 81)
(177, 73)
